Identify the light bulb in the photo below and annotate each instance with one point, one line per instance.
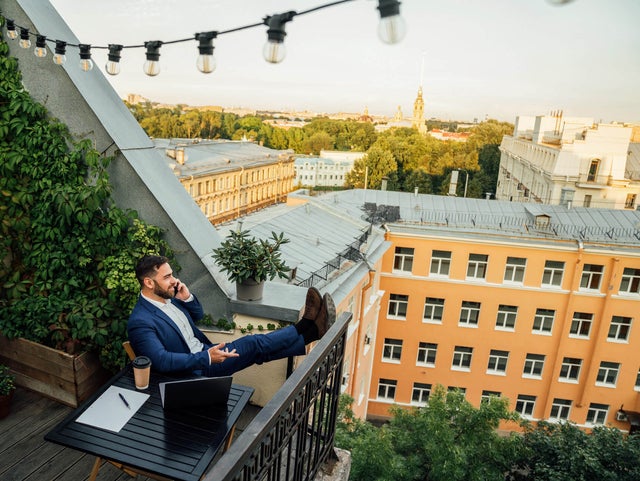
(151, 66)
(59, 56)
(113, 63)
(86, 63)
(12, 33)
(274, 52)
(206, 62)
(392, 27)
(41, 46)
(24, 42)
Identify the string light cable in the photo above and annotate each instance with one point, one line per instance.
(391, 29)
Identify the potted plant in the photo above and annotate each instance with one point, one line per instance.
(7, 388)
(249, 261)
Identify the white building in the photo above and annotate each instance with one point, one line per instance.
(328, 170)
(569, 161)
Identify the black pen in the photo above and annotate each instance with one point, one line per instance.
(124, 400)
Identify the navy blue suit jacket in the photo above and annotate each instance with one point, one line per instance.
(153, 334)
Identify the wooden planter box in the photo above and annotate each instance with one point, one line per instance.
(66, 378)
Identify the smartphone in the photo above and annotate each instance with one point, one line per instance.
(175, 290)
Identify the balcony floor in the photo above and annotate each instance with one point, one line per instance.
(25, 455)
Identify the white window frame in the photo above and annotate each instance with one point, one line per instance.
(597, 414)
(403, 259)
(636, 387)
(532, 364)
(427, 351)
(553, 274)
(498, 361)
(541, 321)
(630, 282)
(608, 374)
(477, 266)
(570, 370)
(486, 395)
(619, 329)
(440, 263)
(469, 314)
(462, 357)
(398, 305)
(387, 389)
(525, 405)
(560, 409)
(392, 350)
(581, 323)
(591, 277)
(421, 391)
(506, 318)
(514, 270)
(433, 310)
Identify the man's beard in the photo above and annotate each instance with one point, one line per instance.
(159, 291)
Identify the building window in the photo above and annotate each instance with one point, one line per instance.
(560, 409)
(487, 395)
(630, 203)
(587, 201)
(398, 306)
(630, 282)
(570, 369)
(591, 277)
(469, 314)
(387, 389)
(637, 385)
(543, 322)
(619, 329)
(597, 413)
(440, 263)
(593, 171)
(420, 394)
(462, 358)
(581, 325)
(506, 318)
(525, 405)
(433, 310)
(403, 259)
(392, 350)
(477, 266)
(608, 374)
(514, 271)
(497, 362)
(533, 366)
(427, 354)
(552, 275)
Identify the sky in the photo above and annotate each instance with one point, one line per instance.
(474, 59)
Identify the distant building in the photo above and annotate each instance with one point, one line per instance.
(228, 179)
(454, 136)
(569, 161)
(418, 113)
(327, 170)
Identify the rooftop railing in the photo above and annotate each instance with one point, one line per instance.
(293, 434)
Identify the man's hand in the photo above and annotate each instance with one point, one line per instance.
(182, 291)
(218, 353)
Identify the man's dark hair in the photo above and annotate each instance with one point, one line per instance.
(148, 266)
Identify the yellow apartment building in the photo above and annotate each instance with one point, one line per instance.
(228, 179)
(536, 304)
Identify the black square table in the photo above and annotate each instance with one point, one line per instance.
(176, 445)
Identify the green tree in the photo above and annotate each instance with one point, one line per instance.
(316, 142)
(375, 165)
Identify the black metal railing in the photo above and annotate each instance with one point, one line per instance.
(293, 434)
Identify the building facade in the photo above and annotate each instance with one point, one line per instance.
(328, 170)
(568, 161)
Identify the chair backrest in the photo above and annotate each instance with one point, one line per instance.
(129, 350)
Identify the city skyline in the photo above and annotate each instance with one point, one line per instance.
(491, 59)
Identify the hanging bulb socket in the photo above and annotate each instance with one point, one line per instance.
(86, 63)
(59, 56)
(151, 66)
(113, 59)
(25, 41)
(12, 33)
(41, 46)
(274, 50)
(391, 28)
(206, 62)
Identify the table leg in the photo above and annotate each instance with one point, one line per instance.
(95, 469)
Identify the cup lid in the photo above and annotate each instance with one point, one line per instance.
(141, 362)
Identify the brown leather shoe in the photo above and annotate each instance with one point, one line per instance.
(313, 304)
(326, 316)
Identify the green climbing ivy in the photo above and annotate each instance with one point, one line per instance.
(67, 253)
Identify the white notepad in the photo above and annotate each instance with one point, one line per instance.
(109, 410)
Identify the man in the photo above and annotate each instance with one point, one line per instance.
(162, 327)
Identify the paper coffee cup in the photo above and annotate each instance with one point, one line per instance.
(141, 371)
